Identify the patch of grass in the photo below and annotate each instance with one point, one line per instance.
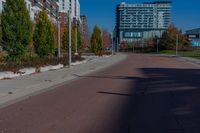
(192, 54)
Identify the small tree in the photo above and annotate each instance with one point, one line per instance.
(44, 36)
(65, 41)
(16, 28)
(168, 39)
(107, 40)
(96, 41)
(79, 39)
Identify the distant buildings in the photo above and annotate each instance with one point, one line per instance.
(84, 24)
(55, 8)
(194, 36)
(141, 21)
(85, 31)
(65, 6)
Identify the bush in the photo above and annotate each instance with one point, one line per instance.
(3, 56)
(65, 40)
(32, 61)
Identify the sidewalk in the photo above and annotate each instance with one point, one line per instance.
(20, 88)
(193, 61)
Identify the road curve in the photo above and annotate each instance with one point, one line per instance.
(142, 94)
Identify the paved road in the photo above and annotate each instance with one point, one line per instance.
(142, 94)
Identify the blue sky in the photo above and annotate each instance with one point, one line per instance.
(186, 13)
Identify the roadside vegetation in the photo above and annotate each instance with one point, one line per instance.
(26, 43)
(166, 44)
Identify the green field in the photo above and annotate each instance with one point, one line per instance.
(192, 54)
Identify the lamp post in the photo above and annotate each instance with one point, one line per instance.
(157, 42)
(69, 43)
(58, 26)
(112, 44)
(177, 44)
(76, 38)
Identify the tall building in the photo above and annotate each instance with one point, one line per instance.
(84, 24)
(51, 6)
(34, 6)
(85, 32)
(65, 6)
(54, 8)
(142, 21)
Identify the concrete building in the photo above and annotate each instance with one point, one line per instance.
(142, 21)
(194, 36)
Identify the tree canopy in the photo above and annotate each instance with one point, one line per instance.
(96, 41)
(16, 28)
(44, 36)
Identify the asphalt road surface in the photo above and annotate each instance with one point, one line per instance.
(142, 94)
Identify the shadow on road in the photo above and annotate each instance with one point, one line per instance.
(167, 101)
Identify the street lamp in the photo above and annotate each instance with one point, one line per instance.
(157, 41)
(69, 43)
(58, 26)
(112, 43)
(177, 44)
(76, 38)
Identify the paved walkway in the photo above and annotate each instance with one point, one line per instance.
(20, 88)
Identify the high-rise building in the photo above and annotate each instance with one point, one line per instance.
(85, 31)
(69, 5)
(34, 6)
(51, 6)
(54, 8)
(84, 24)
(142, 21)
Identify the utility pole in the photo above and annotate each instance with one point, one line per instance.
(58, 25)
(177, 44)
(76, 35)
(112, 44)
(117, 45)
(157, 42)
(69, 44)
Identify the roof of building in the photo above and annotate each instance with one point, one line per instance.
(154, 2)
(193, 31)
